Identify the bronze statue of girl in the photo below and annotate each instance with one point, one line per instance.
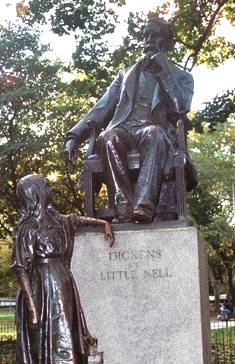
(51, 327)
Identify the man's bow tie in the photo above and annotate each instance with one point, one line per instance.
(149, 64)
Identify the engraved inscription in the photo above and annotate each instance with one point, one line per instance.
(139, 254)
(157, 273)
(134, 268)
(119, 275)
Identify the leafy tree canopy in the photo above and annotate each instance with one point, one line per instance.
(27, 79)
(211, 204)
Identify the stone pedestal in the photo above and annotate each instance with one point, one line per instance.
(146, 299)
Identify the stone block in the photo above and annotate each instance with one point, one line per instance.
(146, 299)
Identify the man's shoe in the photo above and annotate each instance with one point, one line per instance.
(142, 214)
(123, 212)
(121, 220)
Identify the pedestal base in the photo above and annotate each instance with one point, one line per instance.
(145, 299)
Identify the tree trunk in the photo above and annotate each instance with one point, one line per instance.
(214, 286)
(231, 285)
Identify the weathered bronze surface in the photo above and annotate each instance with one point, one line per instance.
(51, 327)
(139, 112)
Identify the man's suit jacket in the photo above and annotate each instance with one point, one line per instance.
(174, 91)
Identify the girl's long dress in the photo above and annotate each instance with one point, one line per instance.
(44, 254)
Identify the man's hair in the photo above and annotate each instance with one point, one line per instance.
(166, 30)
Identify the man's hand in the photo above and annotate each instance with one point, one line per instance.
(161, 59)
(70, 151)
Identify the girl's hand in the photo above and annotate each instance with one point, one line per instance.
(34, 319)
(91, 340)
(108, 234)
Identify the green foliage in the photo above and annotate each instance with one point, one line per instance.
(88, 21)
(211, 203)
(7, 281)
(26, 78)
(36, 110)
(204, 205)
(217, 111)
(194, 24)
(94, 16)
(213, 153)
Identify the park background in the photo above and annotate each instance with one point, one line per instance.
(57, 58)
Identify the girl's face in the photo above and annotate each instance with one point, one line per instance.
(33, 193)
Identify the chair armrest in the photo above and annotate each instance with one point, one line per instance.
(94, 133)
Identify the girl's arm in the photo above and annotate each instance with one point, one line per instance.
(21, 259)
(108, 234)
(24, 282)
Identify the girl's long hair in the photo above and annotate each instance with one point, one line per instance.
(33, 193)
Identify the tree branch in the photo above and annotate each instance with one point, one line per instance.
(205, 35)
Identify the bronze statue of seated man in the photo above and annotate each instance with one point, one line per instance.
(139, 111)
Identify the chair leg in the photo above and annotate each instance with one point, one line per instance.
(180, 175)
(111, 200)
(89, 195)
(180, 189)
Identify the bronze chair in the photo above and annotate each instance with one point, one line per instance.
(92, 174)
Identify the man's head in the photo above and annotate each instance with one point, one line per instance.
(157, 36)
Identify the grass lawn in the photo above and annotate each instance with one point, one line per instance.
(224, 334)
(7, 324)
(8, 316)
(222, 345)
